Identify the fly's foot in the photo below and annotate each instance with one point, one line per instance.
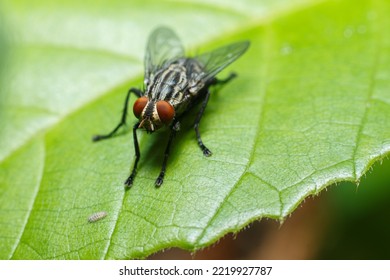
(159, 180)
(96, 138)
(129, 181)
(206, 152)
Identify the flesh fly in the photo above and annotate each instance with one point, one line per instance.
(173, 84)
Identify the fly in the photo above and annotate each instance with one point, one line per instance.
(173, 84)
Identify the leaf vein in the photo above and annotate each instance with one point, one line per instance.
(18, 239)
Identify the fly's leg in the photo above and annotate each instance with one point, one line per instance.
(224, 81)
(175, 128)
(204, 149)
(216, 81)
(130, 179)
(124, 115)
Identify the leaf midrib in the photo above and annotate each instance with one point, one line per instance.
(31, 206)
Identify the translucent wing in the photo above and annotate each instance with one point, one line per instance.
(215, 61)
(163, 46)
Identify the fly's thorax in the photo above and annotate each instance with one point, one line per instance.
(153, 114)
(167, 81)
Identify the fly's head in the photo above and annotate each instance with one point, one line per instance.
(153, 114)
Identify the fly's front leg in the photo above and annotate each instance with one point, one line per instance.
(175, 128)
(130, 179)
(123, 119)
(204, 149)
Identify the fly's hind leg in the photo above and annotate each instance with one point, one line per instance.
(138, 93)
(216, 81)
(224, 81)
(204, 149)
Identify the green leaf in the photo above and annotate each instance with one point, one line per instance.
(310, 107)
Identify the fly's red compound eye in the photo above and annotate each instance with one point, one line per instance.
(139, 106)
(165, 111)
